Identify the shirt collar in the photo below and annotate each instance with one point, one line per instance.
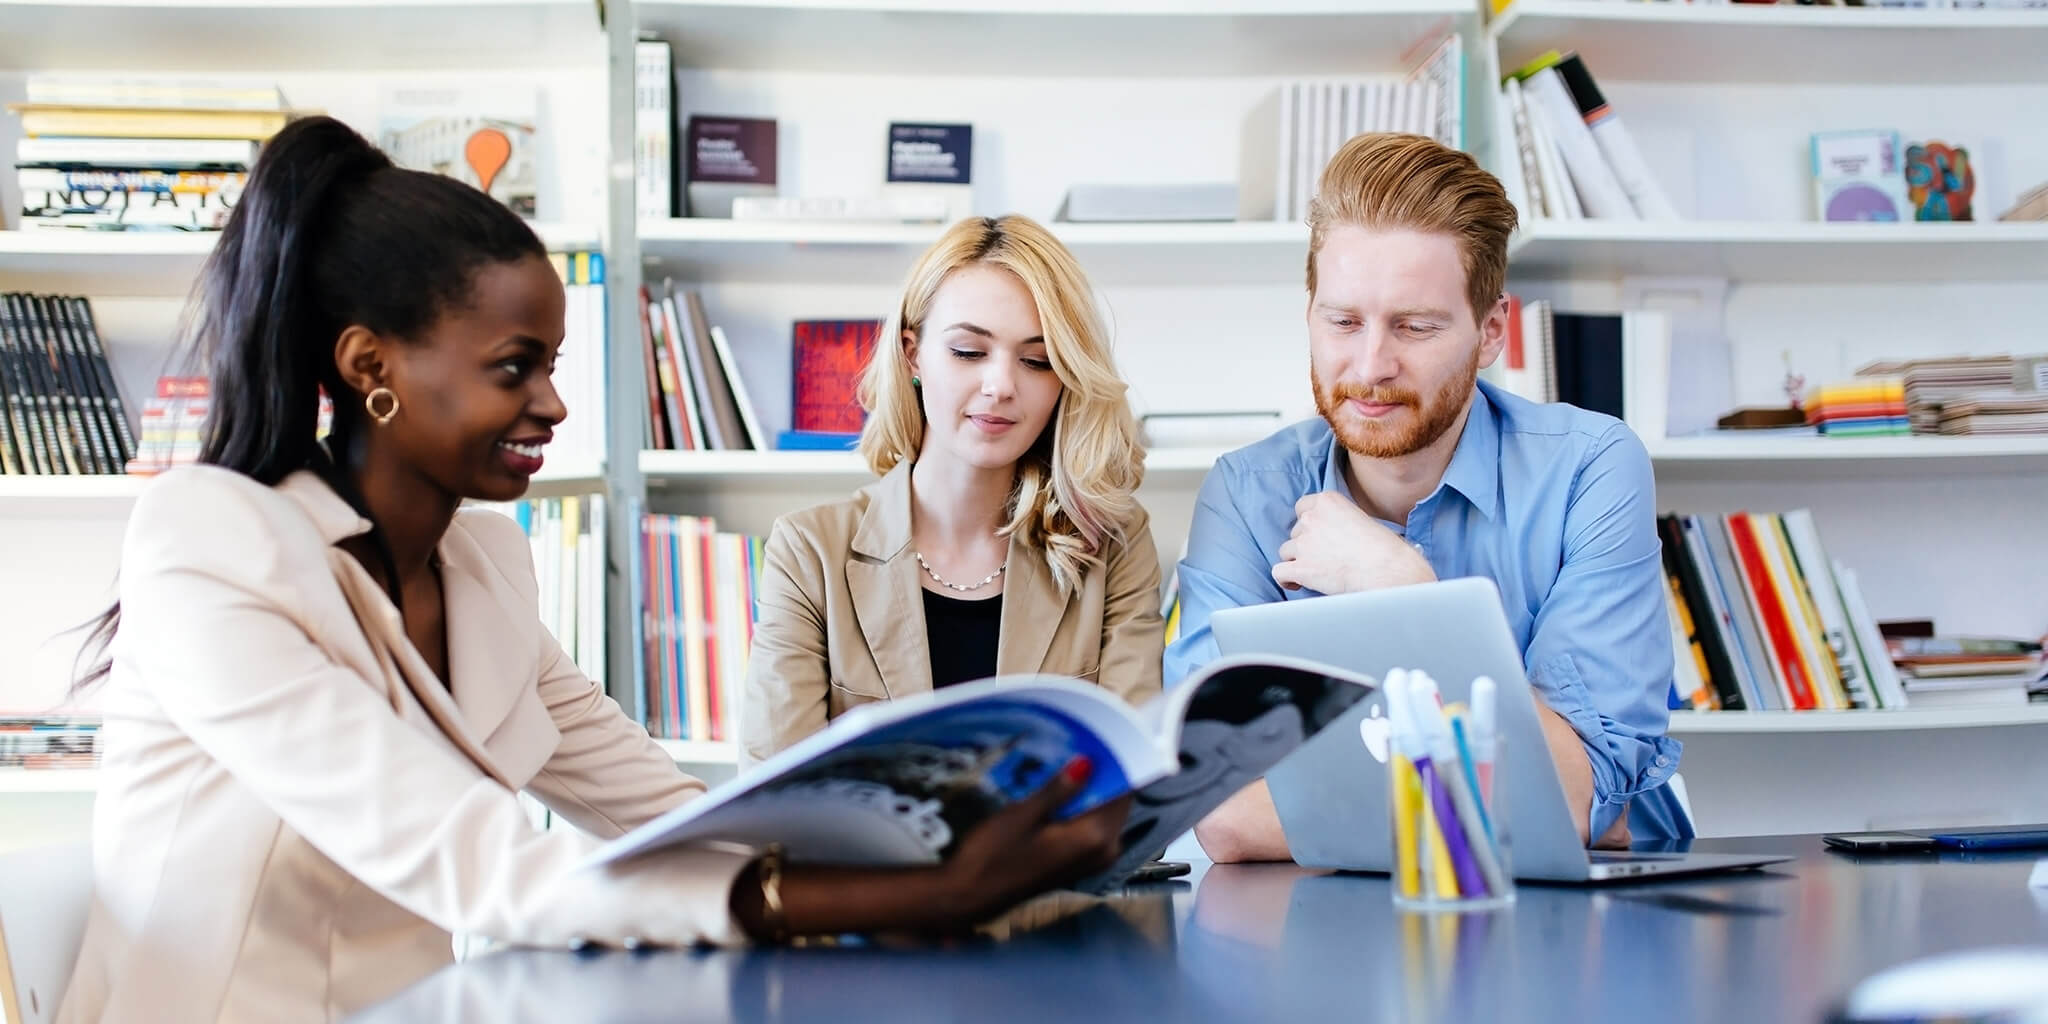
(1475, 465)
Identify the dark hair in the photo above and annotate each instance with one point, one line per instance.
(327, 234)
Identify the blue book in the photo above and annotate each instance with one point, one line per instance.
(902, 782)
(815, 441)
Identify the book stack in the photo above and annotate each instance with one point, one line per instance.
(40, 742)
(1971, 394)
(1970, 671)
(126, 154)
(60, 410)
(580, 374)
(694, 587)
(1613, 363)
(1573, 158)
(1860, 407)
(1318, 117)
(696, 400)
(173, 422)
(1762, 619)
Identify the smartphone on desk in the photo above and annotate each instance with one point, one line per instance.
(1880, 842)
(1993, 839)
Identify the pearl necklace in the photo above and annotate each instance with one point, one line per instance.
(941, 581)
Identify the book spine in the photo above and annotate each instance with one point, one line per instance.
(1742, 666)
(71, 376)
(1799, 687)
(654, 129)
(657, 434)
(1689, 675)
(23, 413)
(64, 388)
(1597, 187)
(103, 372)
(1615, 143)
(56, 453)
(1810, 562)
(1720, 669)
(87, 386)
(1820, 660)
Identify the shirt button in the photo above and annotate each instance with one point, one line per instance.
(1663, 759)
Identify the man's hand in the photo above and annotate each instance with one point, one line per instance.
(1337, 549)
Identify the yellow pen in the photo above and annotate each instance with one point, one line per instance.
(1406, 786)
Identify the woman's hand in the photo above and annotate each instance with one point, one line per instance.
(1018, 853)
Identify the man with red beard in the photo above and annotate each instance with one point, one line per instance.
(1417, 471)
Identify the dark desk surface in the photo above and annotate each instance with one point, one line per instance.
(1277, 942)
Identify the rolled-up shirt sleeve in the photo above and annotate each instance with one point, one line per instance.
(1225, 567)
(1600, 649)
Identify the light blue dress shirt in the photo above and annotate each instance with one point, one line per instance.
(1557, 506)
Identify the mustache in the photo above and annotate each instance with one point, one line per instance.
(1374, 395)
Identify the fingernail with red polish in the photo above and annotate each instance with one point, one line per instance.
(1078, 769)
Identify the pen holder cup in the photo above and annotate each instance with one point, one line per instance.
(1450, 833)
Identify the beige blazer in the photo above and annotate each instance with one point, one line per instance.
(841, 617)
(294, 814)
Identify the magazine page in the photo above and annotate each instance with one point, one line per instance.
(901, 782)
(1231, 722)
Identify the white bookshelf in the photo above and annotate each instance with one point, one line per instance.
(262, 35)
(1681, 42)
(1054, 38)
(826, 471)
(156, 263)
(22, 781)
(1696, 723)
(1792, 252)
(1734, 456)
(716, 250)
(45, 497)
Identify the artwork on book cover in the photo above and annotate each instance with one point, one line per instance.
(902, 782)
(1858, 175)
(725, 158)
(826, 361)
(934, 161)
(486, 138)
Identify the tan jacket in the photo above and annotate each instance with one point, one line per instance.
(841, 617)
(294, 814)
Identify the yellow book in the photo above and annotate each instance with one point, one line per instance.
(38, 119)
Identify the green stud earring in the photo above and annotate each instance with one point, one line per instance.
(916, 381)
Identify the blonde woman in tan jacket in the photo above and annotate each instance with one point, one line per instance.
(1004, 535)
(327, 681)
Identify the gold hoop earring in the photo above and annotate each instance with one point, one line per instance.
(370, 405)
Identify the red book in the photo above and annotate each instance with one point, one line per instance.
(825, 368)
(1771, 611)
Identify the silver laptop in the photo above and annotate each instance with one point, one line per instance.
(1332, 793)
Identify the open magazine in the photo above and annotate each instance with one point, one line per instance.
(902, 782)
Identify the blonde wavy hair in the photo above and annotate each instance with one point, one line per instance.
(1076, 486)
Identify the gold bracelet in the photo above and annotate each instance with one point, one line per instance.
(770, 874)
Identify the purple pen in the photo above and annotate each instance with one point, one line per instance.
(1470, 881)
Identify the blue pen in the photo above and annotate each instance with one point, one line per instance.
(1471, 772)
(1444, 789)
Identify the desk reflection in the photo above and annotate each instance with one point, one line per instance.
(1279, 942)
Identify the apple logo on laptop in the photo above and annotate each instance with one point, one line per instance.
(1375, 731)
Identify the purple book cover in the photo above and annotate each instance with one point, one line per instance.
(738, 150)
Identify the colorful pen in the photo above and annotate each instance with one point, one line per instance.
(1438, 766)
